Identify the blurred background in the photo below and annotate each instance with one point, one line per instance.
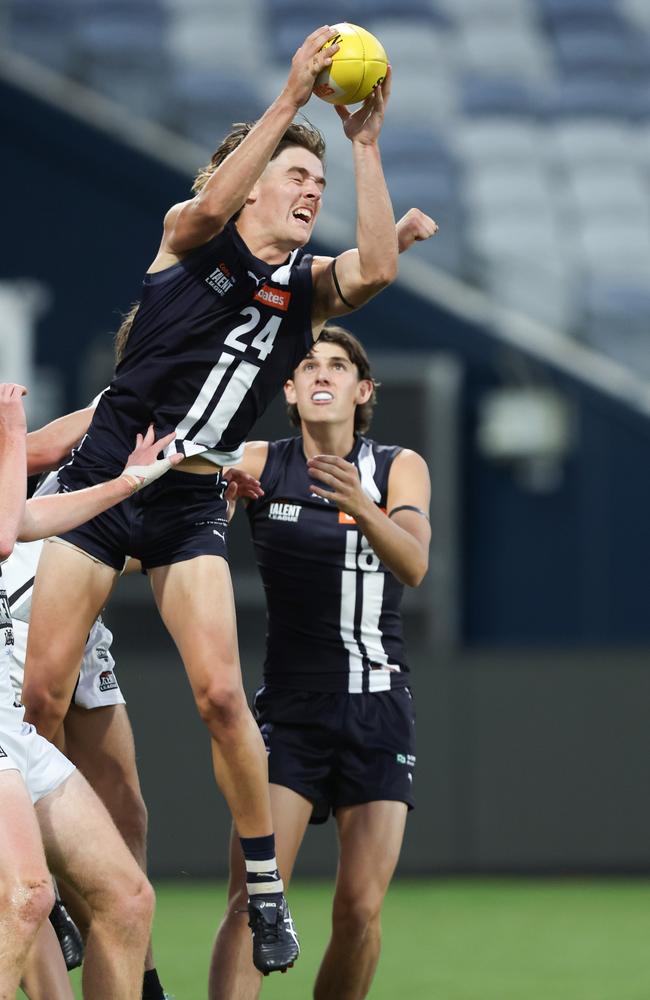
(514, 354)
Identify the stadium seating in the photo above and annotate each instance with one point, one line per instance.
(522, 125)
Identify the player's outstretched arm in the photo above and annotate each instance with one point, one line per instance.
(401, 539)
(13, 466)
(195, 222)
(353, 278)
(48, 446)
(413, 227)
(52, 515)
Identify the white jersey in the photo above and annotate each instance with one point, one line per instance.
(20, 568)
(42, 767)
(97, 686)
(11, 714)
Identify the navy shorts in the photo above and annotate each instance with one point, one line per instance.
(339, 749)
(180, 516)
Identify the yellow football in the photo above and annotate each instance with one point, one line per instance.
(356, 68)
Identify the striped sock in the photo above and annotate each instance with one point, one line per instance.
(262, 875)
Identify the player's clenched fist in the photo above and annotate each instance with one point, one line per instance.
(414, 227)
(307, 63)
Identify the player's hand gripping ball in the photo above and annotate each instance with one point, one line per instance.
(358, 66)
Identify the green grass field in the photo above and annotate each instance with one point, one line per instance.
(446, 939)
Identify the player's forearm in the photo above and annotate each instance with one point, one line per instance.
(376, 233)
(49, 445)
(226, 190)
(53, 515)
(399, 551)
(13, 487)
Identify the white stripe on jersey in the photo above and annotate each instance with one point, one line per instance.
(240, 382)
(369, 644)
(206, 392)
(348, 606)
(367, 466)
(282, 274)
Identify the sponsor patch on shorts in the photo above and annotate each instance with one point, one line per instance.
(107, 681)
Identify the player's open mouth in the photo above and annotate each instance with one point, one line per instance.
(322, 397)
(303, 215)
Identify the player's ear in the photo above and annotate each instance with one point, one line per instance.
(253, 194)
(364, 391)
(290, 391)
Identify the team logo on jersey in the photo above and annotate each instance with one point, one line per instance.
(221, 279)
(406, 758)
(2, 753)
(107, 681)
(275, 297)
(5, 620)
(101, 653)
(284, 512)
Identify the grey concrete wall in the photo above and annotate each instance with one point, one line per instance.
(525, 761)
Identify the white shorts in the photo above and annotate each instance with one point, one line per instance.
(97, 686)
(42, 767)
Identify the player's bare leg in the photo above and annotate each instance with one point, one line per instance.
(45, 976)
(370, 839)
(232, 973)
(83, 846)
(196, 603)
(26, 894)
(100, 742)
(69, 592)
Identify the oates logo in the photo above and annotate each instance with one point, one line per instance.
(275, 297)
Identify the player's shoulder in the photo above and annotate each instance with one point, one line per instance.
(285, 447)
(386, 452)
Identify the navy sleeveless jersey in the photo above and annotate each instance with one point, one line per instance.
(213, 341)
(333, 609)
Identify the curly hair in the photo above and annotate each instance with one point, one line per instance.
(334, 334)
(297, 134)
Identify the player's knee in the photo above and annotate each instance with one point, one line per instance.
(29, 902)
(45, 706)
(126, 903)
(222, 704)
(356, 915)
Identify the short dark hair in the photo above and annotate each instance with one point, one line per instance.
(333, 334)
(297, 134)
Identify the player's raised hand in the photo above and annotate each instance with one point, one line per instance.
(414, 227)
(12, 411)
(307, 63)
(143, 465)
(365, 124)
(341, 484)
